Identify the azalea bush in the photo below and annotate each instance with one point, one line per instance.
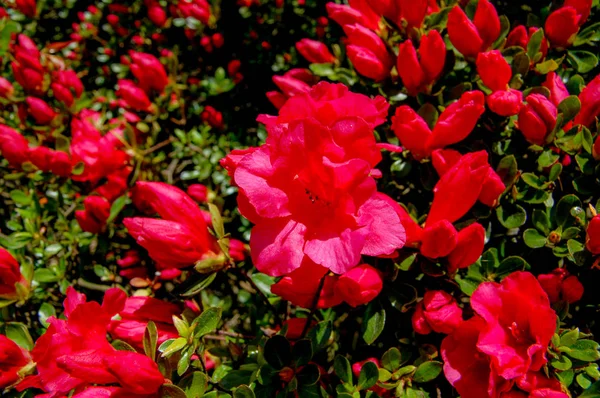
(371, 198)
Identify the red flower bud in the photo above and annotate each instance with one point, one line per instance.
(314, 51)
(518, 37)
(350, 15)
(470, 38)
(492, 188)
(438, 312)
(291, 86)
(93, 218)
(458, 120)
(368, 52)
(12, 359)
(562, 26)
(583, 7)
(560, 285)
(40, 110)
(49, 160)
(413, 11)
(505, 103)
(198, 192)
(558, 91)
(301, 286)
(468, 249)
(13, 146)
(537, 118)
(27, 7)
(412, 131)
(6, 88)
(493, 69)
(590, 103)
(459, 188)
(438, 239)
(10, 274)
(360, 285)
(417, 74)
(592, 239)
(133, 96)
(149, 72)
(157, 14)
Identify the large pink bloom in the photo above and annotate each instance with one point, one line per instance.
(74, 353)
(309, 188)
(505, 340)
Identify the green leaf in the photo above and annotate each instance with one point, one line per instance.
(204, 282)
(243, 391)
(302, 352)
(308, 375)
(392, 359)
(510, 265)
(583, 381)
(563, 209)
(561, 363)
(150, 340)
(534, 181)
(116, 207)
(44, 275)
(427, 371)
(46, 311)
(541, 221)
(511, 216)
(373, 323)
(343, 369)
(589, 34)
(278, 352)
(369, 374)
(592, 392)
(569, 338)
(534, 239)
(20, 198)
(507, 170)
(584, 350)
(583, 61)
(217, 220)
(120, 345)
(194, 385)
(548, 158)
(569, 107)
(18, 333)
(236, 378)
(319, 335)
(171, 391)
(8, 29)
(171, 346)
(207, 321)
(535, 43)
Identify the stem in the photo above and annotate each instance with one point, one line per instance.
(92, 286)
(313, 308)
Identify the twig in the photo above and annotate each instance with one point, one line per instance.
(313, 308)
(158, 146)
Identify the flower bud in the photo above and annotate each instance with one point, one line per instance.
(438, 312)
(40, 110)
(314, 51)
(592, 239)
(537, 118)
(360, 285)
(558, 91)
(468, 249)
(439, 239)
